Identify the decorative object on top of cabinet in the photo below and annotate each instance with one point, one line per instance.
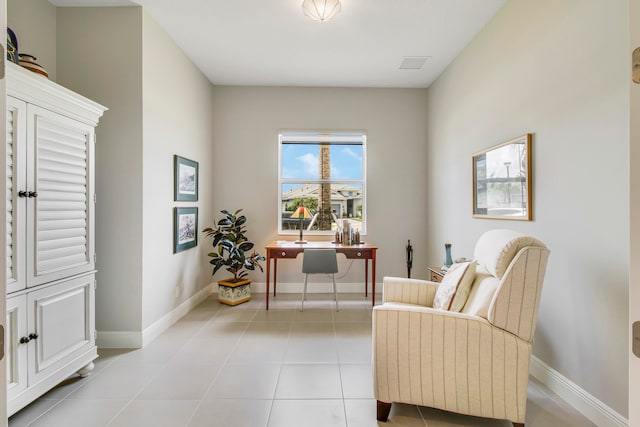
(29, 62)
(185, 179)
(502, 180)
(12, 46)
(50, 236)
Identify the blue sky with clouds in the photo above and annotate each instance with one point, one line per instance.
(301, 161)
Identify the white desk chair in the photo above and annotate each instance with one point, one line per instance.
(319, 261)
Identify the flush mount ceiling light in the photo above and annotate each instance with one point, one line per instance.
(321, 10)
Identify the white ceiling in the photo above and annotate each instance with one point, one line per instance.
(271, 43)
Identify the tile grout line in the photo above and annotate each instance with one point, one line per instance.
(65, 397)
(223, 364)
(128, 404)
(275, 389)
(335, 338)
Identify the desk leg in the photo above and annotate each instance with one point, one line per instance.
(268, 274)
(373, 279)
(366, 276)
(275, 275)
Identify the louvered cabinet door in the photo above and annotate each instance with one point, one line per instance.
(61, 215)
(16, 191)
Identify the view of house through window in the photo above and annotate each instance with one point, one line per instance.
(325, 173)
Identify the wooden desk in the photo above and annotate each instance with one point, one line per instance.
(289, 249)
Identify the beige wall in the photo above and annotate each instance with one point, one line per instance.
(246, 125)
(177, 119)
(557, 69)
(34, 22)
(95, 64)
(160, 105)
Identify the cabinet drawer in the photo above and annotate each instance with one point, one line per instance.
(435, 275)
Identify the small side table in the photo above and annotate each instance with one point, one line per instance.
(435, 275)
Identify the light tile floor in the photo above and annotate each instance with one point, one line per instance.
(246, 367)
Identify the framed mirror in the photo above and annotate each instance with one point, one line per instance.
(502, 180)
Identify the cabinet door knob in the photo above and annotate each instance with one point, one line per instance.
(33, 336)
(24, 340)
(284, 253)
(22, 194)
(32, 194)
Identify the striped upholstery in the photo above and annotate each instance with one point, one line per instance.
(460, 362)
(515, 305)
(409, 291)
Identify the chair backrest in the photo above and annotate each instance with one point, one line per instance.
(508, 282)
(320, 261)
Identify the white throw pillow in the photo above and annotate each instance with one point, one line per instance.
(454, 289)
(482, 292)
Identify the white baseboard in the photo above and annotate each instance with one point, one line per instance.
(119, 339)
(135, 339)
(588, 405)
(154, 330)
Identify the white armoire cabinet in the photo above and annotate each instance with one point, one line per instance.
(50, 235)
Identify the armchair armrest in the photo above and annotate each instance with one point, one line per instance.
(408, 291)
(452, 361)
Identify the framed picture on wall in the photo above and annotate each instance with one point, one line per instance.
(185, 179)
(502, 180)
(185, 229)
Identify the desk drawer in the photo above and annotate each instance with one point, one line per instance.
(284, 253)
(357, 253)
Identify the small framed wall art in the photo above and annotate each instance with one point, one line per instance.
(185, 229)
(502, 180)
(185, 179)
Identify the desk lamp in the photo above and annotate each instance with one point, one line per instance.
(302, 213)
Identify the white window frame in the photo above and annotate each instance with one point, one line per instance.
(334, 138)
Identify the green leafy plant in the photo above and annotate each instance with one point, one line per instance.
(232, 247)
(310, 203)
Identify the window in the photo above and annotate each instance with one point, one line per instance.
(327, 174)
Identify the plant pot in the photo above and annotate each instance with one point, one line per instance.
(234, 293)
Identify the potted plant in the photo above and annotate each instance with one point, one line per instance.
(231, 251)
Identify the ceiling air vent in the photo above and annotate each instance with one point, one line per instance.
(413, 62)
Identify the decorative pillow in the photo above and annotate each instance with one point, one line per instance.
(458, 279)
(482, 292)
(464, 288)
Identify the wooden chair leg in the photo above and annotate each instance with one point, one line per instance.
(383, 409)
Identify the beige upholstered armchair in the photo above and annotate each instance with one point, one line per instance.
(475, 361)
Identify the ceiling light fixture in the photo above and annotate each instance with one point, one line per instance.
(321, 10)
